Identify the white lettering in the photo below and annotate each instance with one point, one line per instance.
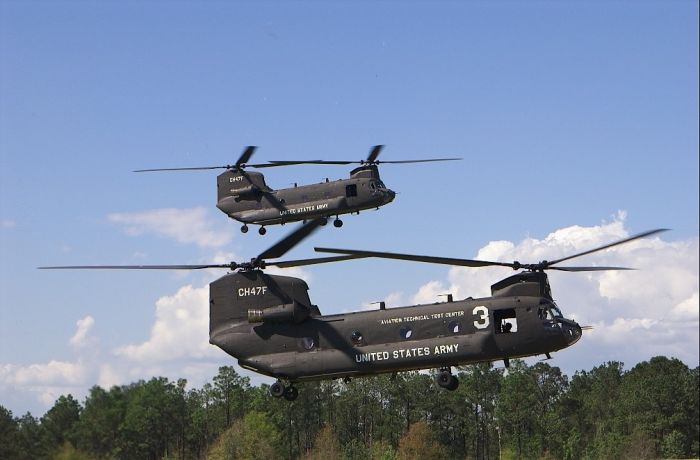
(253, 290)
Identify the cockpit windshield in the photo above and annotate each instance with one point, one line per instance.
(555, 311)
(380, 185)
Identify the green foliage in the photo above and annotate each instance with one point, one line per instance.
(326, 446)
(59, 423)
(252, 437)
(420, 442)
(533, 411)
(68, 452)
(9, 434)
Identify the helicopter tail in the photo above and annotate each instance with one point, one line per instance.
(239, 299)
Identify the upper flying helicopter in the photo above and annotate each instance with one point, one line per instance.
(245, 197)
(269, 324)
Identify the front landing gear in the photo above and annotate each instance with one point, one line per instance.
(337, 223)
(244, 229)
(279, 390)
(446, 380)
(262, 230)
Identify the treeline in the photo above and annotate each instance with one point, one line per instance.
(650, 411)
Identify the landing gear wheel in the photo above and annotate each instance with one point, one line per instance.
(447, 381)
(291, 393)
(324, 222)
(277, 389)
(244, 229)
(453, 384)
(262, 230)
(337, 223)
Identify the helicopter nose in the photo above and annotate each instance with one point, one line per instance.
(390, 195)
(573, 333)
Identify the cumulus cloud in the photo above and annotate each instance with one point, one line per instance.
(636, 314)
(183, 225)
(80, 338)
(179, 329)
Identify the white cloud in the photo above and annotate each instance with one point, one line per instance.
(636, 314)
(179, 331)
(80, 337)
(54, 373)
(183, 225)
(428, 293)
(7, 223)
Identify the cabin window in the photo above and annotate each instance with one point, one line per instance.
(356, 337)
(351, 190)
(406, 332)
(454, 327)
(505, 321)
(308, 343)
(372, 186)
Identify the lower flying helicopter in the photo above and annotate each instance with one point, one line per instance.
(245, 197)
(270, 325)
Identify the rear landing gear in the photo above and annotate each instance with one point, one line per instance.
(262, 230)
(446, 380)
(244, 229)
(337, 223)
(279, 390)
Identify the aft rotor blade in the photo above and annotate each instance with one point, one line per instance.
(415, 258)
(317, 260)
(202, 168)
(137, 267)
(588, 269)
(631, 238)
(291, 240)
(245, 156)
(417, 161)
(374, 153)
(195, 168)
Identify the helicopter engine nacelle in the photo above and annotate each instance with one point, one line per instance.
(286, 313)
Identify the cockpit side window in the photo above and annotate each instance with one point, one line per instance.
(505, 321)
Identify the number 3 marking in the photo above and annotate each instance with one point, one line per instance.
(483, 321)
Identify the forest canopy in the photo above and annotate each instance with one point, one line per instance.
(531, 411)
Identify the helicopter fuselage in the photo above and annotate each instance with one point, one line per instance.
(436, 335)
(245, 197)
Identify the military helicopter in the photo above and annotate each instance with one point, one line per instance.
(269, 324)
(245, 197)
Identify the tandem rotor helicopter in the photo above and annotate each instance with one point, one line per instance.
(270, 325)
(245, 197)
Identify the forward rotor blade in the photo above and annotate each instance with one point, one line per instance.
(415, 258)
(311, 162)
(137, 267)
(374, 153)
(588, 269)
(631, 238)
(291, 240)
(318, 260)
(245, 156)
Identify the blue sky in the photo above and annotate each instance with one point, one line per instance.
(577, 122)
